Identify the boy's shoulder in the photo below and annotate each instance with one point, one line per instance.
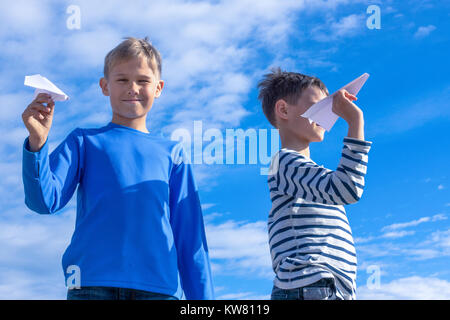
(156, 141)
(288, 157)
(288, 162)
(110, 128)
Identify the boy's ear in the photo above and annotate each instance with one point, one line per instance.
(159, 88)
(104, 85)
(281, 109)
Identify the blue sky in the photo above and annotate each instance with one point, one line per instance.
(214, 54)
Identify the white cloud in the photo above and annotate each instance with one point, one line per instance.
(385, 245)
(414, 223)
(24, 17)
(21, 284)
(424, 31)
(399, 234)
(442, 239)
(333, 30)
(348, 25)
(422, 253)
(206, 206)
(435, 246)
(13, 104)
(361, 240)
(241, 247)
(410, 288)
(32, 246)
(79, 46)
(389, 9)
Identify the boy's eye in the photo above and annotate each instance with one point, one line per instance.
(144, 81)
(121, 80)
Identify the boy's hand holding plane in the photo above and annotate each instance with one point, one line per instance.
(38, 116)
(344, 107)
(340, 104)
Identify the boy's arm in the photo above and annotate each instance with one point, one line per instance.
(301, 178)
(50, 180)
(188, 229)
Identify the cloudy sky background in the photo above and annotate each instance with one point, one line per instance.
(214, 53)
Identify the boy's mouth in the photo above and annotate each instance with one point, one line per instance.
(318, 125)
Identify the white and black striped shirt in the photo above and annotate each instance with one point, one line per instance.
(309, 234)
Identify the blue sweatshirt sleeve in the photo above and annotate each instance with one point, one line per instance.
(189, 233)
(50, 180)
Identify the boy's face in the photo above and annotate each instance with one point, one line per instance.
(299, 127)
(132, 86)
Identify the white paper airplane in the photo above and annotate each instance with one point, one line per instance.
(42, 84)
(321, 112)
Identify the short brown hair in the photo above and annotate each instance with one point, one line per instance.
(284, 85)
(133, 47)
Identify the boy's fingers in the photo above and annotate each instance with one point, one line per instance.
(43, 97)
(37, 115)
(339, 94)
(40, 108)
(350, 96)
(51, 104)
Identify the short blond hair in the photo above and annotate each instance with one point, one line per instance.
(130, 48)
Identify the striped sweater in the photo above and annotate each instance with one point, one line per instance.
(309, 234)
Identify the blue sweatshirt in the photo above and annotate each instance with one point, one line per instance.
(139, 223)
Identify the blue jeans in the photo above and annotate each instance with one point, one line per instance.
(110, 293)
(323, 289)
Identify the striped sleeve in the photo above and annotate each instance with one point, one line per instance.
(299, 177)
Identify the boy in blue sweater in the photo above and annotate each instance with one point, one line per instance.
(139, 231)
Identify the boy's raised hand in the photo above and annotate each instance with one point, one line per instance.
(38, 118)
(344, 107)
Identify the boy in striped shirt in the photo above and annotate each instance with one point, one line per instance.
(311, 244)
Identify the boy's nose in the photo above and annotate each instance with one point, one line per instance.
(133, 89)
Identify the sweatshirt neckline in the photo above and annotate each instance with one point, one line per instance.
(119, 126)
(296, 152)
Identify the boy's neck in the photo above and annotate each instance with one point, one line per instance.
(301, 147)
(137, 124)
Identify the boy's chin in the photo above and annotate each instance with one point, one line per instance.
(129, 116)
(131, 112)
(317, 138)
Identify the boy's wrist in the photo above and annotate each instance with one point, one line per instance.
(356, 118)
(356, 128)
(35, 144)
